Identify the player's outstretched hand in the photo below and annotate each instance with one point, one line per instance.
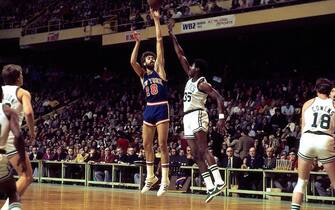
(221, 126)
(171, 25)
(154, 14)
(136, 36)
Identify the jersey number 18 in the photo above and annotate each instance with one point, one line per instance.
(152, 90)
(324, 121)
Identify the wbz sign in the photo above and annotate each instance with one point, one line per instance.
(208, 24)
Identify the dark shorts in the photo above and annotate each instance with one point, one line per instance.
(156, 113)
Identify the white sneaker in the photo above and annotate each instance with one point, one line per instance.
(149, 182)
(221, 186)
(6, 205)
(163, 189)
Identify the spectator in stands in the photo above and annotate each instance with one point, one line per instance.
(278, 120)
(231, 142)
(259, 147)
(270, 159)
(253, 179)
(103, 173)
(35, 154)
(47, 155)
(294, 166)
(287, 110)
(274, 143)
(294, 160)
(70, 155)
(245, 143)
(93, 156)
(138, 21)
(81, 156)
(229, 160)
(214, 7)
(131, 156)
(235, 4)
(322, 183)
(59, 155)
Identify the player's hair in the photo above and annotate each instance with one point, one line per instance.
(10, 74)
(145, 54)
(323, 86)
(201, 64)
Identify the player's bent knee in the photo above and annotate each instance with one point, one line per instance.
(301, 185)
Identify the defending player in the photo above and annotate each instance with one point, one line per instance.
(196, 118)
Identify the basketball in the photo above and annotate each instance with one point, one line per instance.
(154, 4)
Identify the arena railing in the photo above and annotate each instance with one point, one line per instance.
(266, 191)
(116, 173)
(229, 175)
(58, 171)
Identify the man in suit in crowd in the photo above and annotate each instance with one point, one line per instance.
(244, 144)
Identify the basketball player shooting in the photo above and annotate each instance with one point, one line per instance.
(156, 114)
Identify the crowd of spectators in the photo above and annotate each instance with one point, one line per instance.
(17, 13)
(43, 15)
(104, 125)
(50, 97)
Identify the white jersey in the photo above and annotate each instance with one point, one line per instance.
(10, 98)
(320, 116)
(194, 98)
(4, 128)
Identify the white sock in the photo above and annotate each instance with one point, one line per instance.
(5, 205)
(165, 173)
(150, 169)
(216, 174)
(15, 206)
(208, 180)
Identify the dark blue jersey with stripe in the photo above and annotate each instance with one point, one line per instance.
(155, 88)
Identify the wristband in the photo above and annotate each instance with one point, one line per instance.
(221, 116)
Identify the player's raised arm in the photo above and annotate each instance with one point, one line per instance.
(133, 58)
(207, 88)
(179, 51)
(28, 112)
(160, 62)
(18, 139)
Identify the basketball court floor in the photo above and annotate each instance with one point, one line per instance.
(68, 197)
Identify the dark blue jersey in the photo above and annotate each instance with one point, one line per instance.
(155, 88)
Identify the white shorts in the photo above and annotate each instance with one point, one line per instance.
(10, 148)
(4, 167)
(317, 146)
(195, 121)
